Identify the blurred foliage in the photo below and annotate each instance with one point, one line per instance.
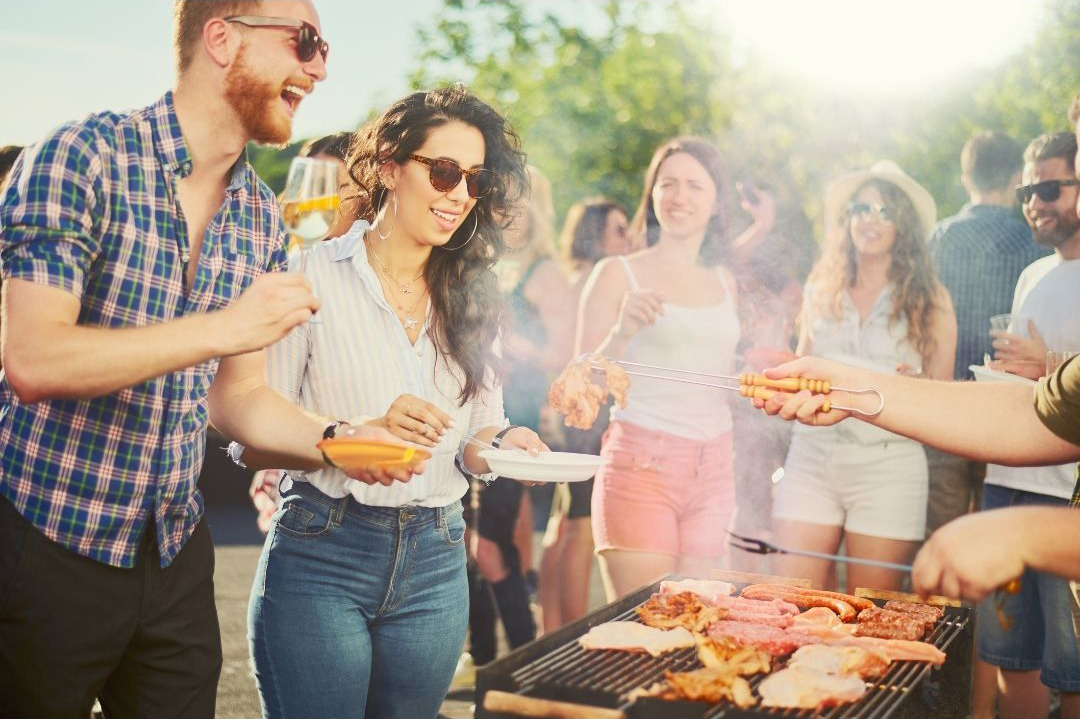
(592, 104)
(272, 163)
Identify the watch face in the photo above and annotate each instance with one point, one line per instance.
(331, 430)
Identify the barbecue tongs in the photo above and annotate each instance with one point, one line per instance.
(752, 385)
(758, 546)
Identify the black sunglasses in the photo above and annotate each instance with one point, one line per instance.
(1048, 190)
(308, 41)
(885, 213)
(444, 175)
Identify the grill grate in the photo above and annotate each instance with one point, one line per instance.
(562, 670)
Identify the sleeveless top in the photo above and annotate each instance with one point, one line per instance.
(872, 342)
(699, 339)
(526, 386)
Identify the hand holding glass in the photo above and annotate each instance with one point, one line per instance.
(310, 203)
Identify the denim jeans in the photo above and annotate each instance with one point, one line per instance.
(357, 610)
(1041, 633)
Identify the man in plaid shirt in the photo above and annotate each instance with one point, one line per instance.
(141, 259)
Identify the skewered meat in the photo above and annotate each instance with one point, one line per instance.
(867, 663)
(887, 624)
(683, 609)
(634, 637)
(809, 688)
(701, 685)
(575, 395)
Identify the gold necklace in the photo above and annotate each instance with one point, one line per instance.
(404, 289)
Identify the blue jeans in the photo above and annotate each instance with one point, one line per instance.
(1041, 635)
(356, 610)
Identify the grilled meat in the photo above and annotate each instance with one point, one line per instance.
(683, 609)
(887, 624)
(809, 688)
(634, 637)
(867, 663)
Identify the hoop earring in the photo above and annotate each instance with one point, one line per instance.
(476, 222)
(378, 229)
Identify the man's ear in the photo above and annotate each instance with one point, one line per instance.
(969, 186)
(219, 42)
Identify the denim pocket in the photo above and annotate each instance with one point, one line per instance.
(452, 526)
(304, 520)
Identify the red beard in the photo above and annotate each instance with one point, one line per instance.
(256, 104)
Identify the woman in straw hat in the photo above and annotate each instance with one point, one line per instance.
(872, 299)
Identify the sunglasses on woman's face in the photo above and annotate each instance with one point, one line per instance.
(308, 41)
(1047, 191)
(445, 175)
(862, 210)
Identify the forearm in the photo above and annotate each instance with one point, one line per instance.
(1050, 543)
(473, 462)
(275, 433)
(61, 361)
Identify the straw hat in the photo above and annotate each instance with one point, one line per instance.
(839, 193)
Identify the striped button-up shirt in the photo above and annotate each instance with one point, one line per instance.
(356, 360)
(979, 253)
(92, 210)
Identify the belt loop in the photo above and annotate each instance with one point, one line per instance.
(337, 512)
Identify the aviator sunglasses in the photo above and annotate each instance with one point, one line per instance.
(308, 41)
(1047, 191)
(885, 213)
(445, 175)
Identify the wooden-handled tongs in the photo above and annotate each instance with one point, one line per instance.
(752, 385)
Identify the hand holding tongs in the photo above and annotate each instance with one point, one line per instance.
(756, 386)
(758, 546)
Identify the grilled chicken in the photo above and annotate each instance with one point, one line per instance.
(634, 637)
(804, 687)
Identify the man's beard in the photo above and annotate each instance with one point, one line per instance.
(1067, 225)
(254, 101)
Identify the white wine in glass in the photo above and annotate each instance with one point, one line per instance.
(309, 204)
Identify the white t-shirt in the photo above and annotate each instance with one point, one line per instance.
(1047, 293)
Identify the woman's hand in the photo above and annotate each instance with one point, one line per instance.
(525, 439)
(414, 420)
(640, 308)
(375, 474)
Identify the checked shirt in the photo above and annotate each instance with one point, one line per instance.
(92, 210)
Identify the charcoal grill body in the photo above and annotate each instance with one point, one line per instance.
(556, 667)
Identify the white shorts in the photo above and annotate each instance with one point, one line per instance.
(876, 489)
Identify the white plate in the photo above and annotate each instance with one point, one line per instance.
(545, 467)
(985, 374)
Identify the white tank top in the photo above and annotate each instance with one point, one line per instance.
(700, 339)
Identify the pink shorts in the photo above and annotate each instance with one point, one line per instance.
(657, 492)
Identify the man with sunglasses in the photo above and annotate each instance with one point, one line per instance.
(140, 258)
(1041, 638)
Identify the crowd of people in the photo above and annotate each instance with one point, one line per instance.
(149, 292)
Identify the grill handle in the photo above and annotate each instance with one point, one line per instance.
(505, 702)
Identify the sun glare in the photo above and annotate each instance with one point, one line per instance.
(878, 47)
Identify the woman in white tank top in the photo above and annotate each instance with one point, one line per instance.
(664, 495)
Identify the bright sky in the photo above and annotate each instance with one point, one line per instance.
(79, 56)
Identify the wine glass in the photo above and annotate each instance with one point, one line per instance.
(310, 202)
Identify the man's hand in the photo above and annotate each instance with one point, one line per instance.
(972, 556)
(266, 311)
(374, 474)
(805, 406)
(1020, 355)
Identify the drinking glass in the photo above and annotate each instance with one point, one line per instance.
(310, 204)
(998, 322)
(1055, 358)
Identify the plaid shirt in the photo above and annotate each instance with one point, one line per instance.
(979, 253)
(92, 210)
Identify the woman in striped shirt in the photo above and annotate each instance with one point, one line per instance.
(360, 601)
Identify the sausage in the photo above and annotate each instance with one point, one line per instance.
(842, 609)
(858, 603)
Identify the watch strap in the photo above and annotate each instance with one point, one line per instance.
(496, 441)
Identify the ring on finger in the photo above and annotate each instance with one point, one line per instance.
(425, 428)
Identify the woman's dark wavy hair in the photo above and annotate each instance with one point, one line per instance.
(584, 230)
(467, 309)
(715, 246)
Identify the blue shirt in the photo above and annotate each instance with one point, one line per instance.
(92, 210)
(979, 253)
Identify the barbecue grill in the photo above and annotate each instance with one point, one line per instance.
(555, 668)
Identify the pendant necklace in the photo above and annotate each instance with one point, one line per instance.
(410, 322)
(405, 289)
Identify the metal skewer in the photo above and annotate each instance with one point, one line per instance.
(752, 385)
(757, 546)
